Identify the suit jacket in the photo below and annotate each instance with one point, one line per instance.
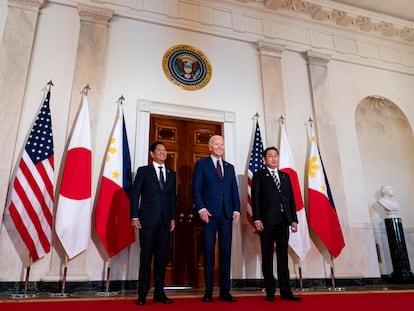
(266, 199)
(148, 201)
(212, 192)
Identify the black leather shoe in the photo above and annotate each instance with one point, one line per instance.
(162, 298)
(270, 297)
(291, 297)
(208, 297)
(227, 297)
(141, 301)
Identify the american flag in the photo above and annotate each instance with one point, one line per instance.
(255, 164)
(30, 201)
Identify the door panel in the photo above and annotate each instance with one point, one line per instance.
(186, 141)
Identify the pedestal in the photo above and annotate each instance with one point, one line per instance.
(398, 250)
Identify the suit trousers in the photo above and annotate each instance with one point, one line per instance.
(279, 235)
(221, 227)
(154, 245)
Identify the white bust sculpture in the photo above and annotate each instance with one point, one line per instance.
(388, 201)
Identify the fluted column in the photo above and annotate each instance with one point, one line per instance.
(272, 88)
(15, 52)
(89, 66)
(325, 125)
(322, 104)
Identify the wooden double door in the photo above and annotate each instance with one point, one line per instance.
(186, 141)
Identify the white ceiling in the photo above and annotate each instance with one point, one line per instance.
(403, 9)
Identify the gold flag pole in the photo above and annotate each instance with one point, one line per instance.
(333, 287)
(62, 292)
(65, 271)
(108, 273)
(25, 293)
(26, 281)
(300, 274)
(107, 282)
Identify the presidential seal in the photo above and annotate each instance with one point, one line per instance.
(187, 67)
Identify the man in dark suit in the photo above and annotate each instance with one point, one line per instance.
(273, 208)
(216, 198)
(153, 202)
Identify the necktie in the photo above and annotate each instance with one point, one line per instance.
(161, 180)
(276, 179)
(277, 182)
(219, 172)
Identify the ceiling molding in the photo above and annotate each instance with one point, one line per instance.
(342, 15)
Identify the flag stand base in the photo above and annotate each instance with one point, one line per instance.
(107, 294)
(63, 295)
(24, 296)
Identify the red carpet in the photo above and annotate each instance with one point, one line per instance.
(378, 301)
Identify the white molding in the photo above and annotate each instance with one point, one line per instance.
(147, 107)
(294, 29)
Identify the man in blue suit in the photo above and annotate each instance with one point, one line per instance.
(216, 198)
(153, 202)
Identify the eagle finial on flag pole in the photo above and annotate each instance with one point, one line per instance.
(86, 89)
(282, 119)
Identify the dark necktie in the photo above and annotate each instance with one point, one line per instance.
(162, 182)
(219, 172)
(276, 179)
(277, 182)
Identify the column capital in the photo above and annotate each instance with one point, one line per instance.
(270, 49)
(318, 59)
(94, 14)
(33, 5)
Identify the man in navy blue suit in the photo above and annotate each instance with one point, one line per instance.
(153, 202)
(216, 198)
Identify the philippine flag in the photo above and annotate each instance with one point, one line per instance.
(323, 218)
(112, 222)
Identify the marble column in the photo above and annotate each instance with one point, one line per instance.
(89, 67)
(325, 126)
(15, 53)
(89, 63)
(272, 89)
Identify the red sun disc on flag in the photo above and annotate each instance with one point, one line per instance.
(78, 163)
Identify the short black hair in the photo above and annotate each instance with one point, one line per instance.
(268, 149)
(155, 144)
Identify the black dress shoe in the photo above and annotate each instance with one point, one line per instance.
(208, 297)
(162, 298)
(227, 297)
(291, 297)
(141, 301)
(270, 297)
